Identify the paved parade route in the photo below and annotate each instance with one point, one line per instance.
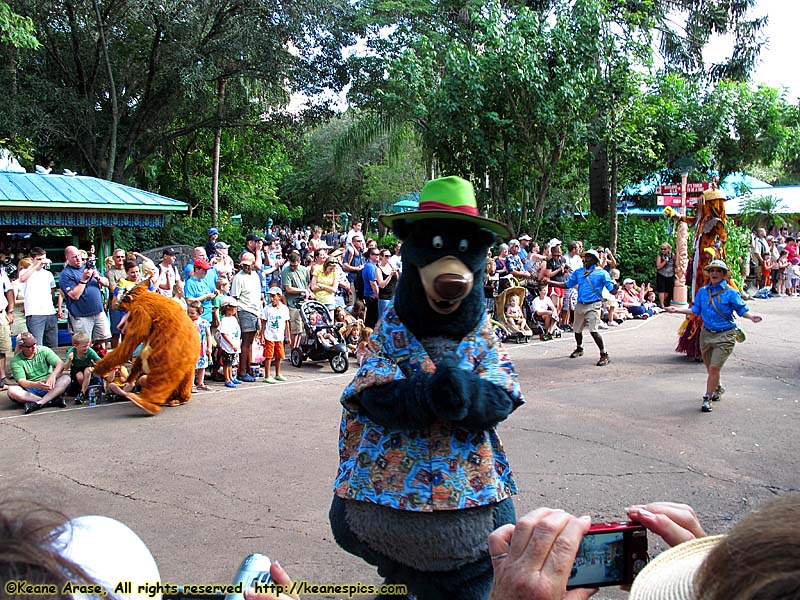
(246, 470)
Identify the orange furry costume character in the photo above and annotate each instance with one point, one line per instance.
(170, 352)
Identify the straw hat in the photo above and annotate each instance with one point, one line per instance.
(670, 575)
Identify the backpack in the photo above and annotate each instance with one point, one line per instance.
(358, 281)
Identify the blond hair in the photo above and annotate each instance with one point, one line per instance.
(80, 337)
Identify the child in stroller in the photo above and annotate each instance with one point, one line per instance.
(322, 339)
(508, 312)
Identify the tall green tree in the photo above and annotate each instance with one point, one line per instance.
(116, 80)
(680, 30)
(16, 30)
(364, 181)
(495, 92)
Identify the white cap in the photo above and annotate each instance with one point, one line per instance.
(109, 552)
(554, 242)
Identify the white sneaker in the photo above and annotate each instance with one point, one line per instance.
(603, 325)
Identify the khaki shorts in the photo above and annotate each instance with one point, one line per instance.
(5, 333)
(586, 316)
(717, 347)
(295, 321)
(97, 327)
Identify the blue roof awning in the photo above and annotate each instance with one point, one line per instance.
(61, 200)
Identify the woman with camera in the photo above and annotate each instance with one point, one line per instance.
(665, 275)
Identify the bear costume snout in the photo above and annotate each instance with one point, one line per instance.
(446, 281)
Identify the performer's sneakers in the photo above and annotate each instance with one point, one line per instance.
(706, 404)
(604, 360)
(717, 395)
(576, 353)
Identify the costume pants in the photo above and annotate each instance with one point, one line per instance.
(472, 581)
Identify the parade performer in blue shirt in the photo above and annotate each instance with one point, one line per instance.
(590, 281)
(715, 304)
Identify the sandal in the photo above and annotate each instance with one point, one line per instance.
(194, 389)
(204, 387)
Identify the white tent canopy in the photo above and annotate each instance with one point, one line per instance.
(789, 197)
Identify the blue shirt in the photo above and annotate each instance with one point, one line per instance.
(369, 274)
(210, 278)
(91, 300)
(514, 263)
(584, 279)
(725, 298)
(194, 288)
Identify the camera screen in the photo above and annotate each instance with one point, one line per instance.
(600, 560)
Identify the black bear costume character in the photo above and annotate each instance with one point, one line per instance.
(423, 478)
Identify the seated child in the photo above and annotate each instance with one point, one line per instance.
(79, 360)
(543, 306)
(322, 334)
(514, 315)
(650, 302)
(349, 326)
(117, 384)
(363, 342)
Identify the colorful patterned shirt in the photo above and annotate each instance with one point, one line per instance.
(443, 467)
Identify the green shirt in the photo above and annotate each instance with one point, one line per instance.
(88, 359)
(36, 368)
(297, 279)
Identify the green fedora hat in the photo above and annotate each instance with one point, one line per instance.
(448, 198)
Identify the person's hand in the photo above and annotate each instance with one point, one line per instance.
(48, 383)
(675, 523)
(670, 309)
(532, 560)
(756, 318)
(279, 577)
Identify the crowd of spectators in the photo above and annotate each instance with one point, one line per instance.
(775, 261)
(346, 271)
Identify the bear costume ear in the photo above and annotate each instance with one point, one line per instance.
(402, 228)
(487, 237)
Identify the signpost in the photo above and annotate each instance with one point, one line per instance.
(675, 201)
(694, 188)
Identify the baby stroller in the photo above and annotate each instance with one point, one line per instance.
(322, 339)
(519, 333)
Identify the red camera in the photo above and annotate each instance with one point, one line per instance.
(610, 554)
